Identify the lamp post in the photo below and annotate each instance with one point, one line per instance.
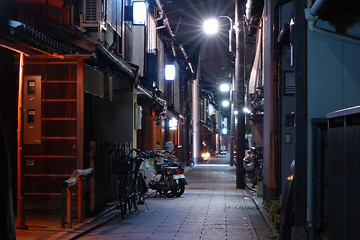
(238, 100)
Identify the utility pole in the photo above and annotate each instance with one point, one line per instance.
(232, 122)
(239, 100)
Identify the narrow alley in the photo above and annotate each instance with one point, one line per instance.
(211, 208)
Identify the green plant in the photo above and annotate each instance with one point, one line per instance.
(274, 209)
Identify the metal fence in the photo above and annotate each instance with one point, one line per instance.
(344, 173)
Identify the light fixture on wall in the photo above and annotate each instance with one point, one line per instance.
(173, 123)
(139, 12)
(170, 72)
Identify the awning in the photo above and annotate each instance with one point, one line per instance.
(150, 94)
(84, 43)
(116, 63)
(20, 37)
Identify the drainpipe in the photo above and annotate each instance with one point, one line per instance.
(311, 18)
(167, 25)
(316, 6)
(196, 110)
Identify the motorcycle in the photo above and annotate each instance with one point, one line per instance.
(164, 177)
(253, 164)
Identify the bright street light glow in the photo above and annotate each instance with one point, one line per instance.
(224, 131)
(225, 87)
(236, 112)
(211, 26)
(225, 103)
(246, 110)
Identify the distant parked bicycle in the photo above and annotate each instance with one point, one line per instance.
(253, 164)
(130, 182)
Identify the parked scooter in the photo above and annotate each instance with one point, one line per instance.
(165, 178)
(253, 164)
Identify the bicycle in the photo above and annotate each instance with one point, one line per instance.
(130, 191)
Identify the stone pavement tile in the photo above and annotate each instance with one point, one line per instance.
(193, 223)
(238, 237)
(165, 230)
(191, 226)
(189, 231)
(214, 233)
(161, 236)
(132, 237)
(191, 236)
(110, 236)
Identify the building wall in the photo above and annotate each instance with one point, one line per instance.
(333, 82)
(137, 52)
(113, 120)
(268, 74)
(287, 149)
(50, 161)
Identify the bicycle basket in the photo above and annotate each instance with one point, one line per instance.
(122, 165)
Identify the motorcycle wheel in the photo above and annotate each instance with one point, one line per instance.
(172, 190)
(179, 190)
(168, 193)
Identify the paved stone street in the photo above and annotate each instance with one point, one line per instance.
(211, 208)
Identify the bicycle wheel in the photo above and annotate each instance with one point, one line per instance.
(141, 189)
(123, 196)
(130, 203)
(135, 201)
(123, 207)
(130, 192)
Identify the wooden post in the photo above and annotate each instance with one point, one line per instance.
(92, 178)
(68, 207)
(80, 113)
(20, 221)
(80, 204)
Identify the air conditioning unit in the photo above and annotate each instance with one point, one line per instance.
(91, 13)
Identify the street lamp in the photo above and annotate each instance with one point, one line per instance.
(225, 103)
(211, 26)
(225, 87)
(238, 96)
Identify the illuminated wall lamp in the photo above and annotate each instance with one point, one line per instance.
(170, 72)
(139, 12)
